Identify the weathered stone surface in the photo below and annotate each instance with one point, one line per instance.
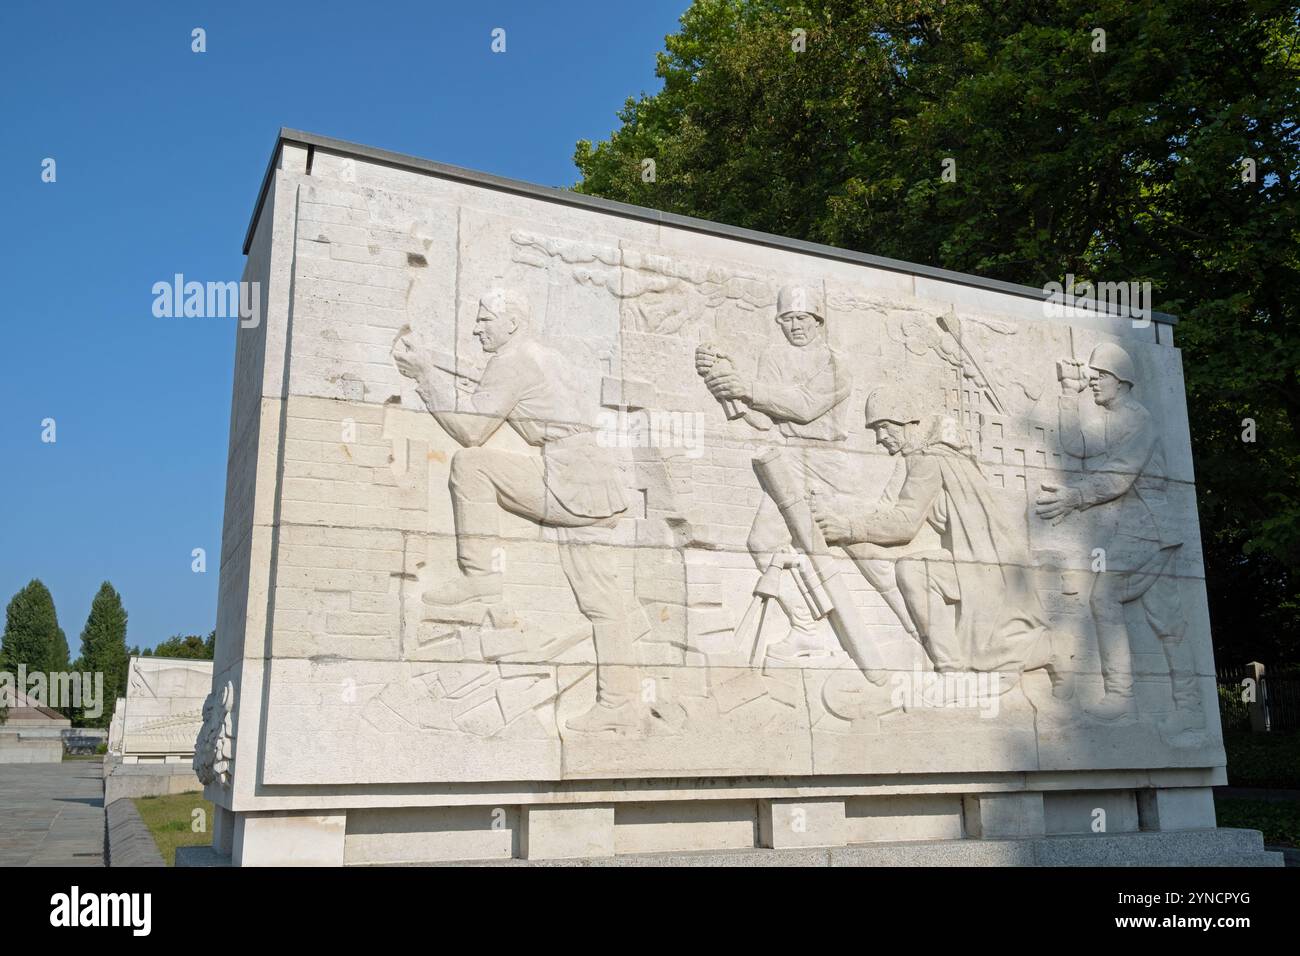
(1190, 808)
(783, 824)
(529, 499)
(149, 780)
(555, 833)
(129, 842)
(996, 816)
(160, 717)
(1201, 848)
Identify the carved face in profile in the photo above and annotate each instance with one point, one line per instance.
(1105, 387)
(492, 330)
(891, 436)
(800, 328)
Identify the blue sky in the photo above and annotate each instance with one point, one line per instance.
(159, 155)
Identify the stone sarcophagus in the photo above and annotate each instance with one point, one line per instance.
(556, 527)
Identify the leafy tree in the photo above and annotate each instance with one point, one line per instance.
(1126, 163)
(191, 647)
(59, 655)
(32, 636)
(103, 648)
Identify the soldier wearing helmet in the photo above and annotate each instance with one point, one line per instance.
(889, 411)
(1119, 444)
(800, 389)
(971, 603)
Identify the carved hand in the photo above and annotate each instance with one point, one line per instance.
(1070, 374)
(1057, 500)
(834, 527)
(706, 356)
(409, 362)
(413, 365)
(723, 382)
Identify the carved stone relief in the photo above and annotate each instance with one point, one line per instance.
(161, 712)
(214, 753)
(910, 515)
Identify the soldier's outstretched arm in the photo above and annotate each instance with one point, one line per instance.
(1126, 459)
(477, 417)
(895, 525)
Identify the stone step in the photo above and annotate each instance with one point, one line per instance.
(1219, 847)
(1188, 847)
(1265, 859)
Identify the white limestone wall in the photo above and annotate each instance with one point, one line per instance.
(163, 709)
(338, 517)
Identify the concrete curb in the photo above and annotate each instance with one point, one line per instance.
(128, 841)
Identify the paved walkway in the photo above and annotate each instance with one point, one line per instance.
(53, 814)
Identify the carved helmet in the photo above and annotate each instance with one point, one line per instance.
(889, 403)
(1109, 357)
(800, 298)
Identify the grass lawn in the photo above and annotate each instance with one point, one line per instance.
(1278, 820)
(1263, 760)
(172, 822)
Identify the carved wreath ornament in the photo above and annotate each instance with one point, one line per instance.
(214, 753)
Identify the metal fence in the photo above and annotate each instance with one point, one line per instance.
(1277, 699)
(1283, 703)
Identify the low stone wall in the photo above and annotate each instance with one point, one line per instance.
(129, 842)
(23, 748)
(148, 780)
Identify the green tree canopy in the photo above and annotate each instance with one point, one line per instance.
(59, 660)
(1164, 150)
(191, 646)
(32, 635)
(103, 648)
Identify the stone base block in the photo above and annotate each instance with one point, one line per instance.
(1099, 827)
(223, 830)
(1093, 811)
(906, 817)
(685, 826)
(431, 835)
(994, 816)
(1208, 848)
(289, 839)
(551, 833)
(794, 823)
(1185, 808)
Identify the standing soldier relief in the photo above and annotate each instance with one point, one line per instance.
(801, 388)
(1119, 444)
